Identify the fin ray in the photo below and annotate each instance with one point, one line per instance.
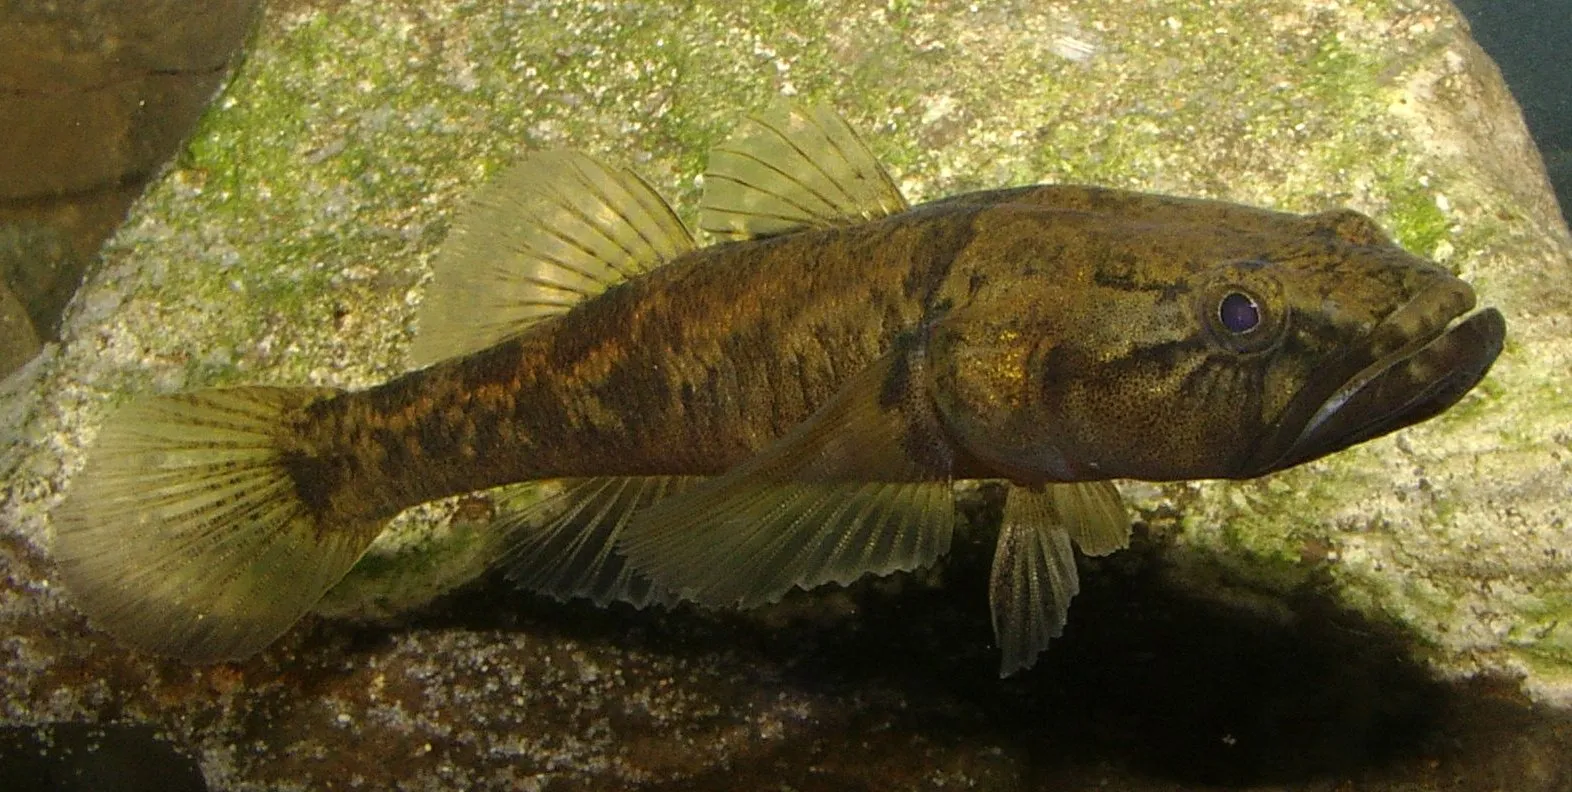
(792, 168)
(557, 228)
(566, 547)
(184, 534)
(1094, 514)
(860, 487)
(1033, 578)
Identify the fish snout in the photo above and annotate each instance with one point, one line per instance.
(1414, 364)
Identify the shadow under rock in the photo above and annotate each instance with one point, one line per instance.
(1148, 678)
(80, 757)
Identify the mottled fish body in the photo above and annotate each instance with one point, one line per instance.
(787, 408)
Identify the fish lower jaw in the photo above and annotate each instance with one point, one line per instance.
(1445, 349)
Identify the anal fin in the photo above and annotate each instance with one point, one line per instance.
(566, 546)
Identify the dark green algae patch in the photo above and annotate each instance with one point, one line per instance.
(290, 241)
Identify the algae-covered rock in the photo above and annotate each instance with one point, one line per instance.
(290, 242)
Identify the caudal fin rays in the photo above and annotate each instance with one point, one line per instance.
(184, 534)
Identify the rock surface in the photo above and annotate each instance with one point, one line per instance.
(95, 95)
(1281, 632)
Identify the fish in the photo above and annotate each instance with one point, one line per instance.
(787, 407)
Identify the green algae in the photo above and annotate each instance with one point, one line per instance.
(1417, 223)
(1545, 628)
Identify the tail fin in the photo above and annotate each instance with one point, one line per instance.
(185, 535)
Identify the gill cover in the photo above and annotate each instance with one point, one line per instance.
(1066, 371)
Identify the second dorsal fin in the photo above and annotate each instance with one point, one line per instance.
(555, 229)
(793, 168)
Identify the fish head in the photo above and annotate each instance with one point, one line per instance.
(1197, 340)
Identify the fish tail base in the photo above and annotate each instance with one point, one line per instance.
(186, 535)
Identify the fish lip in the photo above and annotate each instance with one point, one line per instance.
(1421, 360)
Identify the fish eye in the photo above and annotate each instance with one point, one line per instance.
(1239, 313)
(1242, 308)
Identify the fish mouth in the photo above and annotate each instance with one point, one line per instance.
(1415, 364)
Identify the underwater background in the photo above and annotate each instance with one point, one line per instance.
(1530, 41)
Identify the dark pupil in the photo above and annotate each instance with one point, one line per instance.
(1239, 313)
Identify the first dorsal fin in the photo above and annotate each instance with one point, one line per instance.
(793, 168)
(556, 229)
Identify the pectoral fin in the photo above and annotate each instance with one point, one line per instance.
(793, 168)
(861, 487)
(1033, 578)
(566, 546)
